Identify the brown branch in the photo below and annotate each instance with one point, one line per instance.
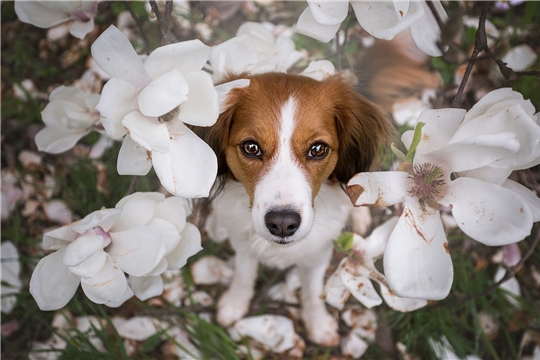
(163, 20)
(429, 3)
(139, 25)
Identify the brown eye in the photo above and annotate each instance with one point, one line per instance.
(251, 149)
(317, 151)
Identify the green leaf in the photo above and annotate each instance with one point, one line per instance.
(345, 241)
(399, 154)
(415, 141)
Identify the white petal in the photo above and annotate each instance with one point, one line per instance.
(189, 168)
(363, 321)
(173, 210)
(128, 294)
(426, 31)
(59, 238)
(57, 211)
(275, 332)
(159, 269)
(380, 18)
(146, 287)
(137, 250)
(492, 98)
(52, 285)
(118, 98)
(308, 26)
(487, 212)
(375, 243)
(511, 286)
(79, 29)
(329, 12)
(169, 233)
(40, 15)
(223, 90)
(103, 218)
(519, 58)
(417, 262)
(137, 209)
(379, 188)
(526, 195)
(201, 107)
(11, 267)
(319, 70)
(189, 245)
(163, 94)
(186, 56)
(147, 131)
(138, 328)
(140, 198)
(210, 270)
(400, 303)
(353, 345)
(440, 126)
(133, 159)
(336, 293)
(232, 57)
(262, 38)
(361, 288)
(107, 285)
(82, 248)
(488, 174)
(113, 52)
(90, 266)
(56, 140)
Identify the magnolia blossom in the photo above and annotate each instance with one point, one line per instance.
(255, 49)
(69, 115)
(150, 101)
(143, 236)
(382, 19)
(45, 14)
(354, 273)
(461, 161)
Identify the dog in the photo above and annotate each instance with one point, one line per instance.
(285, 145)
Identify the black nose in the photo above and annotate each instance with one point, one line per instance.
(282, 223)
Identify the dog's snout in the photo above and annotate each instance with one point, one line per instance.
(282, 223)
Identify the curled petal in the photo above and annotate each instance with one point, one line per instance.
(137, 209)
(417, 262)
(201, 107)
(79, 29)
(138, 250)
(488, 174)
(52, 285)
(308, 26)
(399, 303)
(526, 195)
(108, 285)
(90, 266)
(275, 332)
(118, 98)
(488, 213)
(361, 288)
(189, 168)
(492, 98)
(173, 210)
(426, 31)
(329, 12)
(186, 56)
(147, 131)
(59, 238)
(82, 248)
(379, 188)
(146, 287)
(163, 94)
(133, 159)
(103, 218)
(189, 245)
(113, 52)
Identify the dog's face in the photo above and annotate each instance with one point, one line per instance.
(283, 136)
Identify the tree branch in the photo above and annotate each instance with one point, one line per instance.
(163, 20)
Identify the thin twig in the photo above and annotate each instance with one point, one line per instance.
(435, 14)
(139, 25)
(480, 43)
(163, 20)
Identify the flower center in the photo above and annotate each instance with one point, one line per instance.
(168, 117)
(429, 185)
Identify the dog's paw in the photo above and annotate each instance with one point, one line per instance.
(231, 308)
(322, 328)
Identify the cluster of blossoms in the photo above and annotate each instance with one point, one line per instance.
(460, 161)
(143, 236)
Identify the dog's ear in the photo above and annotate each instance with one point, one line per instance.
(362, 128)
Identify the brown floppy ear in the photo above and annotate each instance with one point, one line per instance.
(362, 128)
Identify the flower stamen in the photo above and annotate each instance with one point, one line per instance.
(429, 185)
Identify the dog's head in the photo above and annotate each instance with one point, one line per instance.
(284, 135)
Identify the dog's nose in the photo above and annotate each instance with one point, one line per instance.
(282, 223)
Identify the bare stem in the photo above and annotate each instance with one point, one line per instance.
(139, 25)
(163, 20)
(429, 3)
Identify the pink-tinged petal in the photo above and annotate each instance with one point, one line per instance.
(201, 107)
(511, 255)
(52, 284)
(107, 285)
(223, 90)
(82, 249)
(336, 293)
(137, 209)
(308, 26)
(118, 98)
(59, 238)
(189, 168)
(399, 303)
(379, 188)
(426, 31)
(329, 12)
(488, 213)
(169, 234)
(90, 266)
(146, 287)
(417, 262)
(57, 211)
(113, 52)
(172, 209)
(375, 244)
(133, 159)
(186, 56)
(380, 18)
(146, 131)
(361, 288)
(163, 94)
(40, 15)
(103, 218)
(492, 98)
(79, 29)
(440, 126)
(137, 250)
(189, 245)
(526, 195)
(56, 140)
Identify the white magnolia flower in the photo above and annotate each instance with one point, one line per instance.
(11, 280)
(254, 49)
(382, 19)
(45, 14)
(150, 102)
(480, 148)
(69, 115)
(143, 236)
(355, 272)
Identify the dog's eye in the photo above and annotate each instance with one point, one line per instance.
(251, 149)
(317, 151)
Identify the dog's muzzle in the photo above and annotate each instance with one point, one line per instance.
(282, 222)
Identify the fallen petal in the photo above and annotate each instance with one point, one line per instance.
(210, 270)
(274, 332)
(137, 328)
